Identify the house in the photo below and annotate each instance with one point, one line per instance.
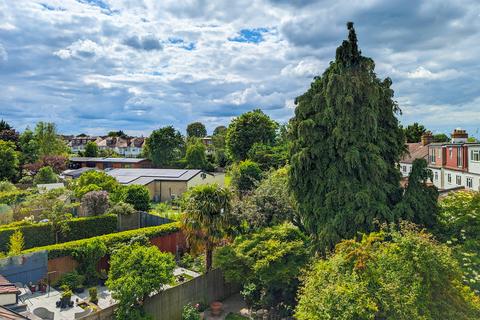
(417, 150)
(108, 163)
(455, 164)
(8, 292)
(166, 184)
(77, 144)
(127, 147)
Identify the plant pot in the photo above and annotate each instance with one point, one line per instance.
(32, 288)
(79, 290)
(216, 308)
(65, 302)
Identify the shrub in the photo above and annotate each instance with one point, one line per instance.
(190, 312)
(390, 274)
(245, 176)
(45, 175)
(95, 202)
(99, 179)
(122, 208)
(88, 256)
(7, 186)
(16, 243)
(110, 240)
(40, 234)
(92, 292)
(138, 196)
(71, 280)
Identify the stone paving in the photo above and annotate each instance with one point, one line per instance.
(48, 300)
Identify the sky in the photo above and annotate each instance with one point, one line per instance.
(92, 66)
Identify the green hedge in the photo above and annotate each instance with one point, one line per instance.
(110, 240)
(40, 234)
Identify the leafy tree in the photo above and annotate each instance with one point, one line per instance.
(17, 243)
(266, 263)
(459, 227)
(47, 140)
(268, 156)
(245, 176)
(196, 130)
(119, 134)
(441, 137)
(8, 133)
(387, 275)
(4, 125)
(220, 158)
(28, 147)
(57, 163)
(135, 272)
(88, 255)
(246, 130)
(195, 157)
(165, 146)
(207, 208)
(270, 203)
(414, 132)
(472, 139)
(95, 202)
(45, 175)
(346, 143)
(138, 196)
(91, 149)
(419, 203)
(108, 153)
(218, 137)
(93, 181)
(8, 160)
(220, 130)
(56, 209)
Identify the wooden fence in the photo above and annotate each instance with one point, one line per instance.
(168, 304)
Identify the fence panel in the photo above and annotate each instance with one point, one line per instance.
(150, 220)
(168, 304)
(25, 268)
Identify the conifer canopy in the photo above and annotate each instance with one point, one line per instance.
(346, 143)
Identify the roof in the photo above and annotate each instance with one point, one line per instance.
(415, 151)
(75, 173)
(145, 176)
(7, 287)
(112, 160)
(50, 186)
(7, 314)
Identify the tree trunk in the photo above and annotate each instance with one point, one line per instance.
(208, 256)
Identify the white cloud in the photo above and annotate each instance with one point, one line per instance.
(423, 73)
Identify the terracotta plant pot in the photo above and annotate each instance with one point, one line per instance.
(216, 308)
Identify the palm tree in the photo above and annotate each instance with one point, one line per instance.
(205, 220)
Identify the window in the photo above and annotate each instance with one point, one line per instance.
(449, 178)
(404, 168)
(459, 157)
(469, 182)
(432, 155)
(450, 152)
(475, 155)
(459, 180)
(436, 176)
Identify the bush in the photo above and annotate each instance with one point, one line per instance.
(92, 292)
(391, 274)
(138, 196)
(95, 202)
(40, 234)
(7, 186)
(110, 240)
(122, 208)
(94, 181)
(88, 256)
(71, 280)
(245, 176)
(190, 312)
(45, 175)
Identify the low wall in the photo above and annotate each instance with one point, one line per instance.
(168, 304)
(104, 314)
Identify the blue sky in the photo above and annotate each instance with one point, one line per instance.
(98, 65)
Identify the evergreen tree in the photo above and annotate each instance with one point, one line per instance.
(420, 201)
(196, 157)
(414, 132)
(8, 161)
(346, 142)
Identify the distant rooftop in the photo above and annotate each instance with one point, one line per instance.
(145, 176)
(116, 160)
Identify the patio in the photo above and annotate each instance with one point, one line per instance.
(48, 300)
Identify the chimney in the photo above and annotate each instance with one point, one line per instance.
(427, 138)
(459, 136)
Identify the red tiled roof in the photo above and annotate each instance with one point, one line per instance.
(415, 151)
(6, 286)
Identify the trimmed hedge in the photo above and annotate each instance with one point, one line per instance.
(40, 234)
(110, 240)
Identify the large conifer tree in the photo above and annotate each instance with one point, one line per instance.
(346, 143)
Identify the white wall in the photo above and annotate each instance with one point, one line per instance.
(453, 183)
(8, 298)
(473, 166)
(437, 173)
(405, 169)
